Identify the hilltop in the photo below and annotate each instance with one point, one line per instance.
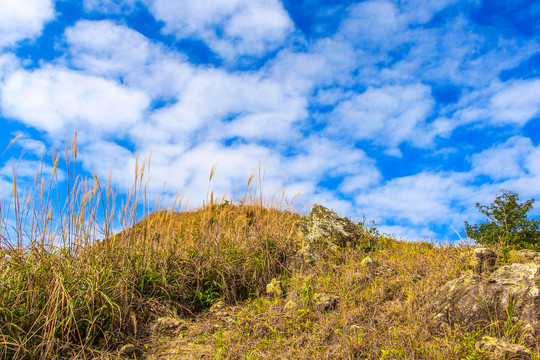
(245, 281)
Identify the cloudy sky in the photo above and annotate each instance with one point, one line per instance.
(406, 111)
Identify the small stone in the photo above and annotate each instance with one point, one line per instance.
(129, 350)
(218, 306)
(275, 288)
(500, 349)
(325, 302)
(291, 304)
(369, 263)
(168, 324)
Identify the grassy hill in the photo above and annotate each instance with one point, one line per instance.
(193, 284)
(176, 266)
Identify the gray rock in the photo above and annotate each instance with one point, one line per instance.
(275, 288)
(325, 302)
(486, 260)
(324, 229)
(499, 349)
(473, 301)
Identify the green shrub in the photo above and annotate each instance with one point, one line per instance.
(508, 224)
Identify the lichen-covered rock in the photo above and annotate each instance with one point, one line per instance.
(325, 302)
(275, 288)
(323, 228)
(499, 349)
(473, 301)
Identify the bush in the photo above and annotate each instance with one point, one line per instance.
(508, 224)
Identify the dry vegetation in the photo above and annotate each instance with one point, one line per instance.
(69, 288)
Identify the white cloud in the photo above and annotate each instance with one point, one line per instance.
(226, 105)
(231, 27)
(513, 165)
(103, 157)
(419, 199)
(533, 162)
(107, 49)
(27, 172)
(374, 23)
(109, 6)
(5, 190)
(407, 233)
(32, 146)
(420, 12)
(501, 103)
(389, 116)
(8, 64)
(59, 101)
(505, 160)
(446, 199)
(21, 19)
(319, 158)
(328, 62)
(189, 170)
(516, 103)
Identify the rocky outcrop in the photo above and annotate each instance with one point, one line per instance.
(511, 291)
(324, 229)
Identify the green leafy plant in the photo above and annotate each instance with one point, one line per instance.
(508, 224)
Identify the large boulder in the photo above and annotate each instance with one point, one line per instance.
(510, 291)
(324, 229)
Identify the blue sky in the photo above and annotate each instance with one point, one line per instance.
(409, 112)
